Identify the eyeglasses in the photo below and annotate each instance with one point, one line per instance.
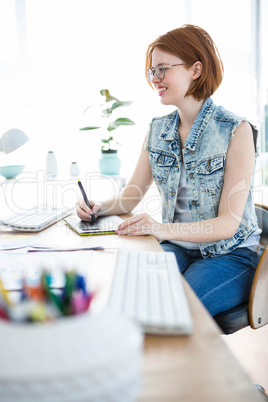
(160, 71)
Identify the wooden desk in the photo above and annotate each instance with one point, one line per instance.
(196, 368)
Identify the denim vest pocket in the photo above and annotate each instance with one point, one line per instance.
(210, 171)
(160, 165)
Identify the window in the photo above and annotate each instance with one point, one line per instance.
(58, 54)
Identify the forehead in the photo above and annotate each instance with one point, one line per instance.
(161, 57)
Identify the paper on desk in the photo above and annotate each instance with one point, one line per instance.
(16, 266)
(53, 249)
(14, 241)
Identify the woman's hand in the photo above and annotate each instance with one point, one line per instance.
(85, 213)
(141, 225)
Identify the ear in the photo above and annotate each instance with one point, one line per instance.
(197, 69)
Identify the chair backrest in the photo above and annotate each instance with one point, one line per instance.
(262, 215)
(258, 301)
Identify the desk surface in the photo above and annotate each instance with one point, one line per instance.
(192, 368)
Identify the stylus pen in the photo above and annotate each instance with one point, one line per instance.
(86, 199)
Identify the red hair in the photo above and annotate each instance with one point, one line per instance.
(191, 43)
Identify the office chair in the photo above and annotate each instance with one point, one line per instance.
(255, 311)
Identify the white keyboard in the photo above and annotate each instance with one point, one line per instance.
(36, 218)
(147, 287)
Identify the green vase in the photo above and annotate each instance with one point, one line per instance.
(109, 162)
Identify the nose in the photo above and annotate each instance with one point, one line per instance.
(155, 79)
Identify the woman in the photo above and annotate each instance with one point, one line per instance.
(202, 159)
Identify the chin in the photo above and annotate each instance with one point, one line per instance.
(165, 101)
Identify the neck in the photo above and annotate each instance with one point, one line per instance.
(188, 113)
(189, 110)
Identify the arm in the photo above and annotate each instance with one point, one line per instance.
(239, 169)
(135, 190)
(129, 198)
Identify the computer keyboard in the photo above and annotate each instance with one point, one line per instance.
(36, 218)
(147, 287)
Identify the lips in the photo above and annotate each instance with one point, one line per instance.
(161, 90)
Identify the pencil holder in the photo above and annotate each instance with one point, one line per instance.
(90, 357)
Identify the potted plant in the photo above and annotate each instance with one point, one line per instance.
(109, 162)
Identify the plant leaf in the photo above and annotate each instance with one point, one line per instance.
(117, 104)
(112, 126)
(123, 121)
(108, 96)
(106, 112)
(86, 109)
(106, 141)
(88, 128)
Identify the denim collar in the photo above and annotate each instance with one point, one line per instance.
(171, 125)
(200, 123)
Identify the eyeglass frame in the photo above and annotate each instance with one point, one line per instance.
(153, 70)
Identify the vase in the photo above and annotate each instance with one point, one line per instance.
(51, 165)
(74, 169)
(109, 163)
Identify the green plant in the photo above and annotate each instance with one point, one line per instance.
(106, 113)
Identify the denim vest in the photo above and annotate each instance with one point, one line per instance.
(204, 158)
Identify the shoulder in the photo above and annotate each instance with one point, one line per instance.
(243, 130)
(166, 117)
(161, 122)
(242, 144)
(163, 128)
(240, 125)
(222, 114)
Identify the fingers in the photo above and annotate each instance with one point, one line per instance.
(141, 225)
(134, 226)
(85, 213)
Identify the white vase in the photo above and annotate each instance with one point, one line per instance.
(51, 165)
(74, 169)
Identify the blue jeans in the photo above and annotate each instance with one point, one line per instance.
(219, 282)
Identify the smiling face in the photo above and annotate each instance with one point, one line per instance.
(173, 87)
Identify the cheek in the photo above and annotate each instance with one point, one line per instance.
(183, 86)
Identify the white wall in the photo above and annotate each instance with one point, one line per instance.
(70, 49)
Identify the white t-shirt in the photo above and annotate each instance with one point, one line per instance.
(182, 215)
